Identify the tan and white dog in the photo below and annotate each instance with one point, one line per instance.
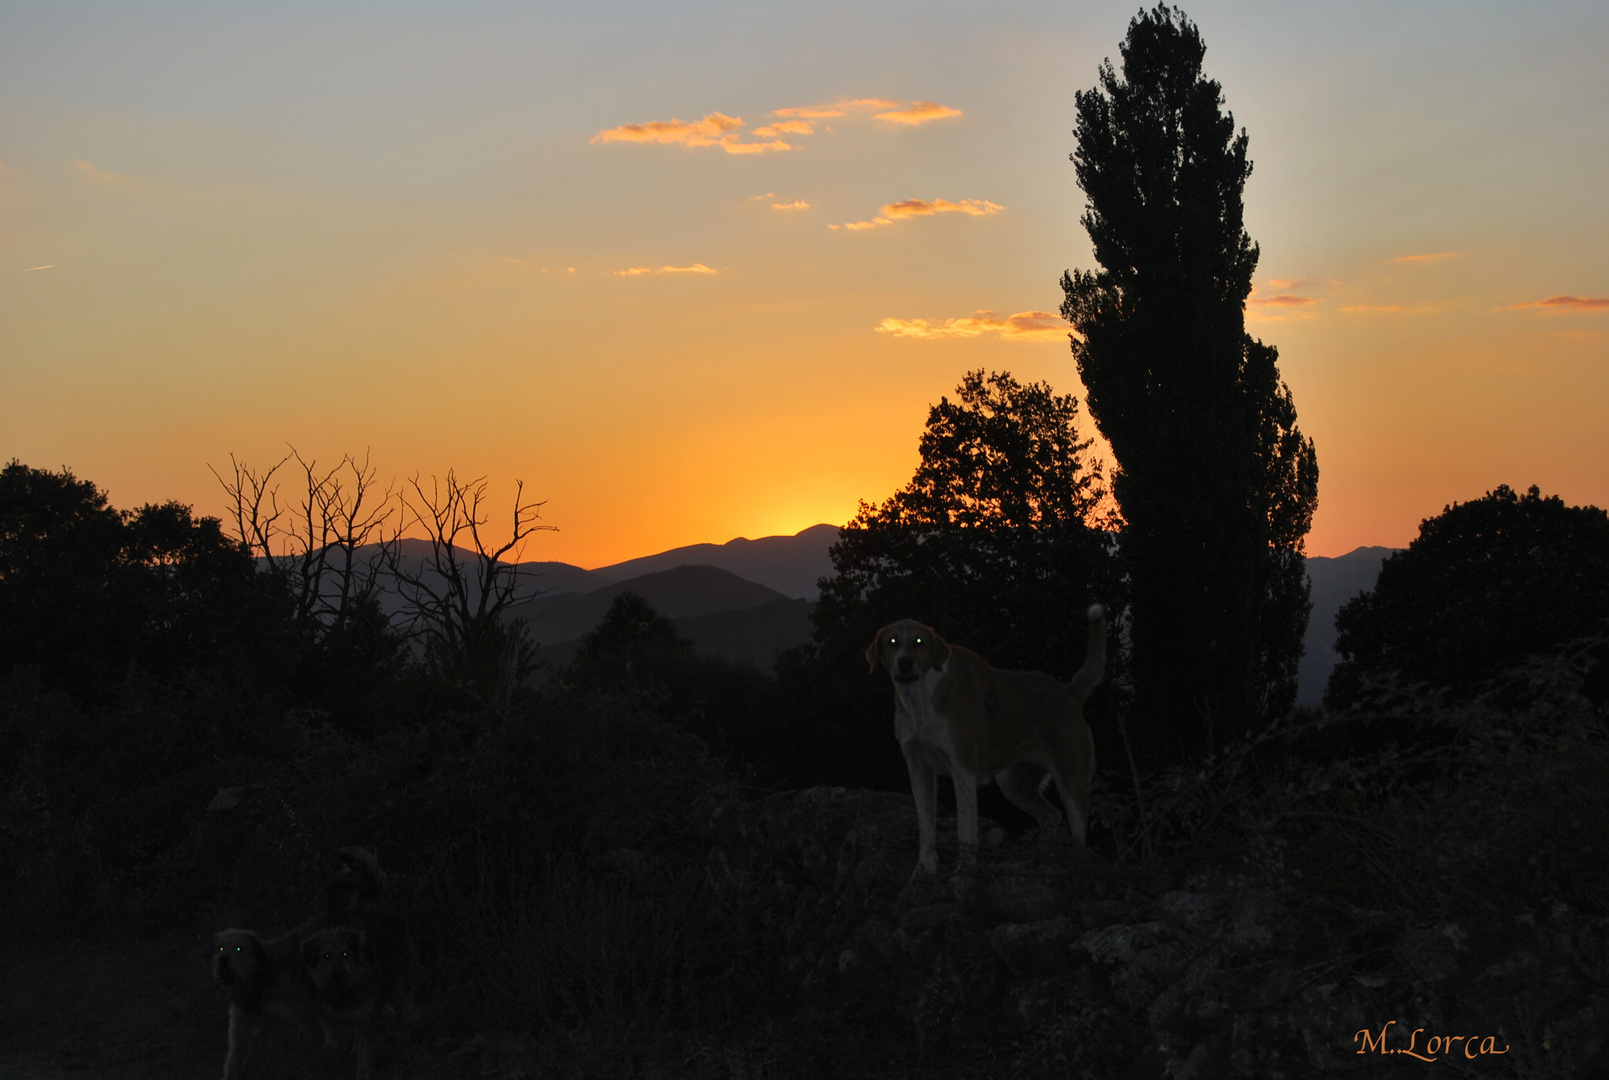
(957, 715)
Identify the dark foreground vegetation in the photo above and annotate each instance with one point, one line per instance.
(655, 864)
(613, 877)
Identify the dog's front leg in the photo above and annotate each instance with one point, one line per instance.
(966, 816)
(925, 789)
(363, 1052)
(242, 1027)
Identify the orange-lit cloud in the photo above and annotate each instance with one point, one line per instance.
(705, 132)
(1568, 303)
(634, 271)
(47, 266)
(918, 112)
(1425, 258)
(837, 108)
(1284, 284)
(797, 204)
(1374, 307)
(786, 127)
(910, 208)
(1282, 300)
(732, 146)
(1023, 326)
(716, 129)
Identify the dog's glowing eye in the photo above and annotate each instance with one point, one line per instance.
(919, 641)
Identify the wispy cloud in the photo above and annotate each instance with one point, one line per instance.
(1282, 300)
(1023, 326)
(910, 208)
(918, 112)
(1285, 284)
(840, 107)
(1373, 308)
(797, 204)
(47, 266)
(696, 268)
(1425, 258)
(715, 129)
(1568, 303)
(785, 127)
(105, 176)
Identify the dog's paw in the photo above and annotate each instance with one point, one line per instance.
(925, 871)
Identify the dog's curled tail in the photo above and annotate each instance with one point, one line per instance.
(1089, 676)
(357, 885)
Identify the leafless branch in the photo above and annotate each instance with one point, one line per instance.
(458, 592)
(332, 547)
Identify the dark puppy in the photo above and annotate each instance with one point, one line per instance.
(264, 980)
(362, 981)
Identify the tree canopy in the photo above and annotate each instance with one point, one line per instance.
(1216, 484)
(85, 589)
(1486, 583)
(991, 542)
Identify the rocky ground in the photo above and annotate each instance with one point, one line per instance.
(1042, 964)
(1071, 966)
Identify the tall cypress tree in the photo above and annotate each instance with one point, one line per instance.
(1216, 483)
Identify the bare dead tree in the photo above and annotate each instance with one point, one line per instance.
(330, 545)
(457, 593)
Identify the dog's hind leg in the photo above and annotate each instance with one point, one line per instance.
(966, 817)
(1024, 784)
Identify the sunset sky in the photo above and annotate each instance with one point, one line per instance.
(696, 271)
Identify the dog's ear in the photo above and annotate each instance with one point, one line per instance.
(941, 649)
(874, 652)
(309, 952)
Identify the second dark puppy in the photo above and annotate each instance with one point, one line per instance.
(363, 982)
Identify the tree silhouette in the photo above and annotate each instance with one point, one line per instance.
(60, 541)
(989, 542)
(1486, 583)
(86, 589)
(1216, 484)
(456, 595)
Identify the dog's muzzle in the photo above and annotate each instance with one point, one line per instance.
(905, 670)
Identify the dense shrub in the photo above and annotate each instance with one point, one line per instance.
(1485, 584)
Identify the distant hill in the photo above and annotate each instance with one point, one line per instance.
(683, 592)
(789, 564)
(748, 635)
(1335, 581)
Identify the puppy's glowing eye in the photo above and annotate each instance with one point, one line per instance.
(919, 641)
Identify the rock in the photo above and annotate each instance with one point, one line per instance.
(1035, 948)
(1187, 909)
(1019, 897)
